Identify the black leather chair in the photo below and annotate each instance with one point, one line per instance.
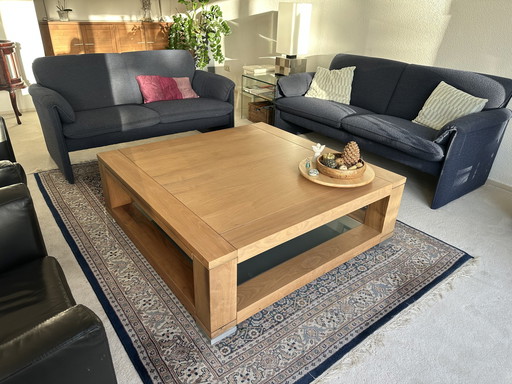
(45, 337)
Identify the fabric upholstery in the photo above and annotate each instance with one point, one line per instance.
(389, 95)
(189, 109)
(97, 83)
(413, 139)
(159, 88)
(334, 85)
(374, 80)
(445, 104)
(418, 82)
(111, 119)
(92, 100)
(326, 112)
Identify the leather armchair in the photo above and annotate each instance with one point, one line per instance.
(45, 337)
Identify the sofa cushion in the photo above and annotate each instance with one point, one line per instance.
(189, 109)
(158, 88)
(112, 119)
(414, 139)
(335, 85)
(31, 294)
(88, 81)
(323, 111)
(447, 103)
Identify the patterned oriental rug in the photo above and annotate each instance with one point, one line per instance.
(292, 341)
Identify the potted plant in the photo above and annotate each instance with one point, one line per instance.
(63, 11)
(199, 30)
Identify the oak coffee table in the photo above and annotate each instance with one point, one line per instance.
(230, 224)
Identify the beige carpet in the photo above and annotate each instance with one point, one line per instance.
(459, 334)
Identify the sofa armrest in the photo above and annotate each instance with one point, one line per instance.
(473, 123)
(20, 235)
(207, 84)
(11, 173)
(71, 347)
(294, 85)
(6, 151)
(50, 99)
(472, 143)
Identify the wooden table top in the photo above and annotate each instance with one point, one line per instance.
(236, 192)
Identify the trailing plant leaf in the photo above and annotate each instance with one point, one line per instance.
(199, 30)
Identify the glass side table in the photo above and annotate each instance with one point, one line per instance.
(257, 97)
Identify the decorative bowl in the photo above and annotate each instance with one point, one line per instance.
(338, 173)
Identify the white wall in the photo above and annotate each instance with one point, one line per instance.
(463, 34)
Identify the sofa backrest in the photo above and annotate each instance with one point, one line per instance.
(374, 81)
(101, 80)
(86, 81)
(418, 81)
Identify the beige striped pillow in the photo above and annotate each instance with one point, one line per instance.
(335, 85)
(446, 104)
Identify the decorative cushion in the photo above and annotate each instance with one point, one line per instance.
(158, 88)
(447, 103)
(335, 85)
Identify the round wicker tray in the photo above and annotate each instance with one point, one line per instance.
(322, 179)
(337, 173)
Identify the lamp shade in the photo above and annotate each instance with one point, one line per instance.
(293, 22)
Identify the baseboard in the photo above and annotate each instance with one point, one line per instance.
(506, 187)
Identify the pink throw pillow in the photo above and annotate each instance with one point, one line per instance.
(158, 88)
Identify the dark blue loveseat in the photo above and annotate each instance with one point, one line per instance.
(386, 96)
(87, 101)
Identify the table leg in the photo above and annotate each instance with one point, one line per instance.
(17, 112)
(382, 214)
(215, 296)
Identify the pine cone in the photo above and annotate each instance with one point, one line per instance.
(351, 154)
(329, 160)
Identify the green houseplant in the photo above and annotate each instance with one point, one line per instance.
(199, 30)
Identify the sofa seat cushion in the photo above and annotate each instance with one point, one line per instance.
(171, 111)
(325, 112)
(111, 119)
(31, 294)
(414, 139)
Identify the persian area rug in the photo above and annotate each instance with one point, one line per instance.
(292, 341)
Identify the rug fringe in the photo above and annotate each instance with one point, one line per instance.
(376, 340)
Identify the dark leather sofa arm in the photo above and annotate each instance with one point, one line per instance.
(6, 151)
(11, 173)
(21, 239)
(207, 84)
(70, 347)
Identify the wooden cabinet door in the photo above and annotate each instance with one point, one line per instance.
(156, 35)
(130, 37)
(65, 39)
(99, 38)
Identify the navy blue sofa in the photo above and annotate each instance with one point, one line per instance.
(92, 100)
(386, 96)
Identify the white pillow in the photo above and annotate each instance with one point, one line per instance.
(447, 103)
(335, 85)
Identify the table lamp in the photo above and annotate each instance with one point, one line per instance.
(293, 22)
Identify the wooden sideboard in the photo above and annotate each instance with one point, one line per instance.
(76, 37)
